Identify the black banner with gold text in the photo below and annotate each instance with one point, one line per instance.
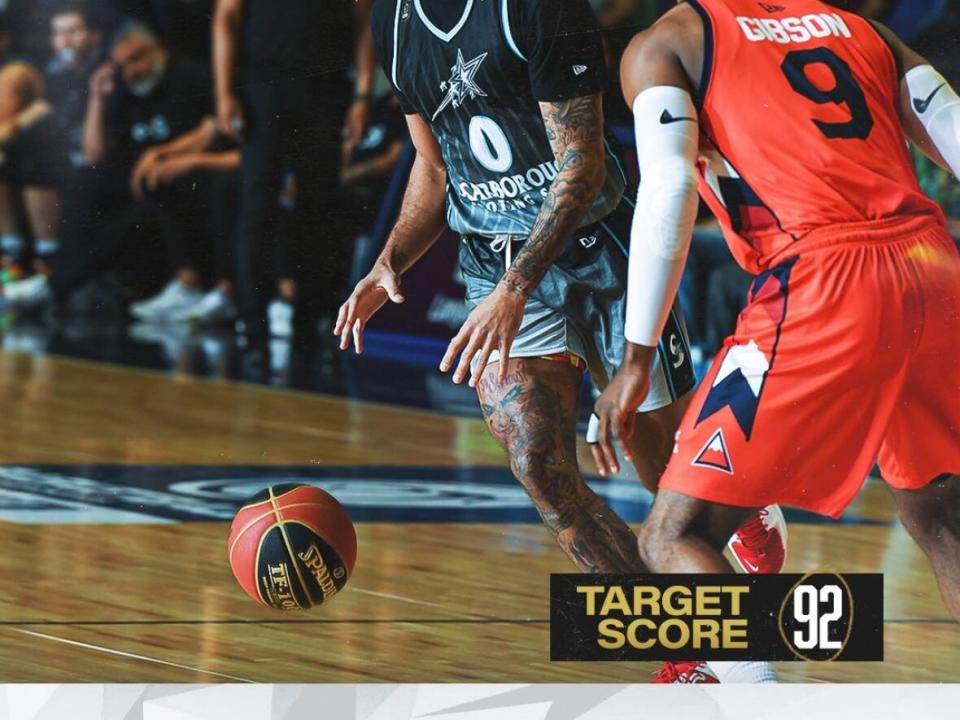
(816, 617)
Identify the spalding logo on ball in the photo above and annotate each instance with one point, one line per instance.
(292, 547)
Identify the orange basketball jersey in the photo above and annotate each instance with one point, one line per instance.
(800, 129)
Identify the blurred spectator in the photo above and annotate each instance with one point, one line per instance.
(366, 174)
(146, 203)
(200, 159)
(368, 164)
(42, 146)
(620, 20)
(184, 25)
(28, 168)
(28, 22)
(283, 91)
(142, 96)
(76, 46)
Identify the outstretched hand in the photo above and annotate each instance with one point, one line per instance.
(370, 294)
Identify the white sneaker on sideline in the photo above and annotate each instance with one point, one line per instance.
(174, 298)
(280, 318)
(216, 306)
(26, 294)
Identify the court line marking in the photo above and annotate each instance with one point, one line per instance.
(290, 621)
(14, 624)
(133, 656)
(412, 601)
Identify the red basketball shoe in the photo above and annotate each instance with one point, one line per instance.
(683, 673)
(760, 545)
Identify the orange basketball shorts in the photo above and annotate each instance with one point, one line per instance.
(846, 355)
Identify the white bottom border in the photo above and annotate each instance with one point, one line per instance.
(476, 702)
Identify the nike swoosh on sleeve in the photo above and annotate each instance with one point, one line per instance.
(922, 105)
(666, 118)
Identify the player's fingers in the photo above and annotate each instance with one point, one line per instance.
(455, 346)
(347, 314)
(341, 316)
(605, 442)
(474, 345)
(505, 344)
(483, 359)
(598, 458)
(616, 427)
(628, 425)
(358, 336)
(599, 454)
(348, 320)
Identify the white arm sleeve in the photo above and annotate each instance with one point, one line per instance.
(667, 139)
(937, 107)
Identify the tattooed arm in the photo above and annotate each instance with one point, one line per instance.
(575, 130)
(421, 221)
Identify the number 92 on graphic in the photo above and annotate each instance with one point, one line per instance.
(817, 617)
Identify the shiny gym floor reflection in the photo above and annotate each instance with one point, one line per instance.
(117, 485)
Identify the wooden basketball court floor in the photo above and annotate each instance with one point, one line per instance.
(134, 600)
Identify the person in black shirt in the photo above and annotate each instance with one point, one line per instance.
(282, 90)
(141, 99)
(142, 96)
(42, 154)
(76, 46)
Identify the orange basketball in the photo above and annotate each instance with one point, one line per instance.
(292, 547)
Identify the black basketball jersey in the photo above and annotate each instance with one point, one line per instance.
(475, 70)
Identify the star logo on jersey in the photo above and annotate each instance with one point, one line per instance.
(714, 454)
(461, 85)
(740, 381)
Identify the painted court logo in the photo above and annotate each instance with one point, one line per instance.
(123, 494)
(714, 454)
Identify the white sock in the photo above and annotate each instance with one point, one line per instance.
(743, 672)
(11, 244)
(45, 247)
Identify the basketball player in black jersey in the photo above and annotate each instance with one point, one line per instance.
(503, 102)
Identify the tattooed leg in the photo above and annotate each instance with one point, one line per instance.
(533, 416)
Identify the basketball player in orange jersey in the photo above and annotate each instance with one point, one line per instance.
(792, 119)
(503, 103)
